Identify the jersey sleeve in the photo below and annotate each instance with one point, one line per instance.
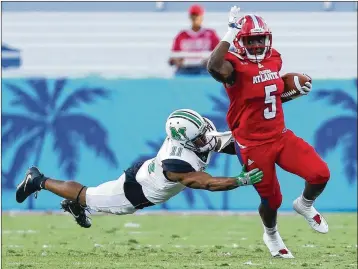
(177, 166)
(277, 56)
(233, 59)
(214, 39)
(176, 42)
(175, 158)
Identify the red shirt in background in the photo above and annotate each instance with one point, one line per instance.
(203, 40)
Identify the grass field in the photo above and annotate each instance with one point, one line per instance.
(170, 241)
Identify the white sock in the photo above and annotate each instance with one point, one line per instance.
(270, 231)
(306, 203)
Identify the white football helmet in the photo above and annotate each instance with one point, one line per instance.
(190, 129)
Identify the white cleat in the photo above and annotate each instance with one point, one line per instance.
(313, 217)
(276, 246)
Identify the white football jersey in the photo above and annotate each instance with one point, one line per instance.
(155, 186)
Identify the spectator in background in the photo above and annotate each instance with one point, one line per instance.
(191, 48)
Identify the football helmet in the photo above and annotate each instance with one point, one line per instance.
(190, 129)
(254, 40)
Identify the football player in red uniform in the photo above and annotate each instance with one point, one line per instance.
(255, 116)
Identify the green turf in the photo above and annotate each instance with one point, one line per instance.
(55, 241)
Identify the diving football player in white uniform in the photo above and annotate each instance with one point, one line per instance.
(180, 163)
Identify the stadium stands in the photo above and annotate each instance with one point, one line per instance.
(127, 44)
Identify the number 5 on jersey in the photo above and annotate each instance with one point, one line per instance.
(270, 99)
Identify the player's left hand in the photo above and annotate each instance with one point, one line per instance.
(307, 87)
(249, 178)
(234, 16)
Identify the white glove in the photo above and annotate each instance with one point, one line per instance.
(234, 18)
(234, 27)
(307, 87)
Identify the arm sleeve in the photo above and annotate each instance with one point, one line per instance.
(177, 166)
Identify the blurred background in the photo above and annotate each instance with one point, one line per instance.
(87, 87)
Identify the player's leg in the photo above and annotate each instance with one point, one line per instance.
(263, 157)
(108, 197)
(300, 158)
(271, 236)
(35, 181)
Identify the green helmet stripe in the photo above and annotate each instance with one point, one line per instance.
(185, 118)
(189, 116)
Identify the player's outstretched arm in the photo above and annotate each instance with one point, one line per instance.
(219, 68)
(202, 180)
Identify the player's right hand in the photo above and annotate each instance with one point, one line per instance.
(234, 17)
(249, 178)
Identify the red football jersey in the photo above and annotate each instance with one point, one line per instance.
(203, 40)
(255, 114)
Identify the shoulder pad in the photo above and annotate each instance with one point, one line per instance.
(175, 151)
(275, 53)
(177, 166)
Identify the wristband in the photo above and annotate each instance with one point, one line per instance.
(230, 35)
(241, 181)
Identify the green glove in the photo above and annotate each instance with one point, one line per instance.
(249, 178)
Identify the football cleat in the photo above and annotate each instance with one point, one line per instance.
(276, 246)
(313, 217)
(31, 184)
(78, 212)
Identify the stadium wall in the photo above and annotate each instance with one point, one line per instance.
(91, 129)
(112, 44)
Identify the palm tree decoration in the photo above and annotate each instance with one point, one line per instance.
(221, 105)
(188, 193)
(42, 115)
(341, 129)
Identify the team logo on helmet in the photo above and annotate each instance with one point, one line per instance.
(179, 134)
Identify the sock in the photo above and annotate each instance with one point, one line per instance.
(307, 203)
(270, 231)
(39, 182)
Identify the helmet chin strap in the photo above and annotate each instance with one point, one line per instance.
(254, 58)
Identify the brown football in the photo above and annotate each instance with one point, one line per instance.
(291, 91)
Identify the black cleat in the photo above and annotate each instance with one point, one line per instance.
(78, 212)
(31, 184)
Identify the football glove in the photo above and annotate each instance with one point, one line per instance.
(249, 178)
(307, 87)
(234, 18)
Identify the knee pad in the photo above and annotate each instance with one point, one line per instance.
(274, 201)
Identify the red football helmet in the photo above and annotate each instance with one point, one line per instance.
(254, 40)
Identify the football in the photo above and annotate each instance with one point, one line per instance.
(292, 89)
